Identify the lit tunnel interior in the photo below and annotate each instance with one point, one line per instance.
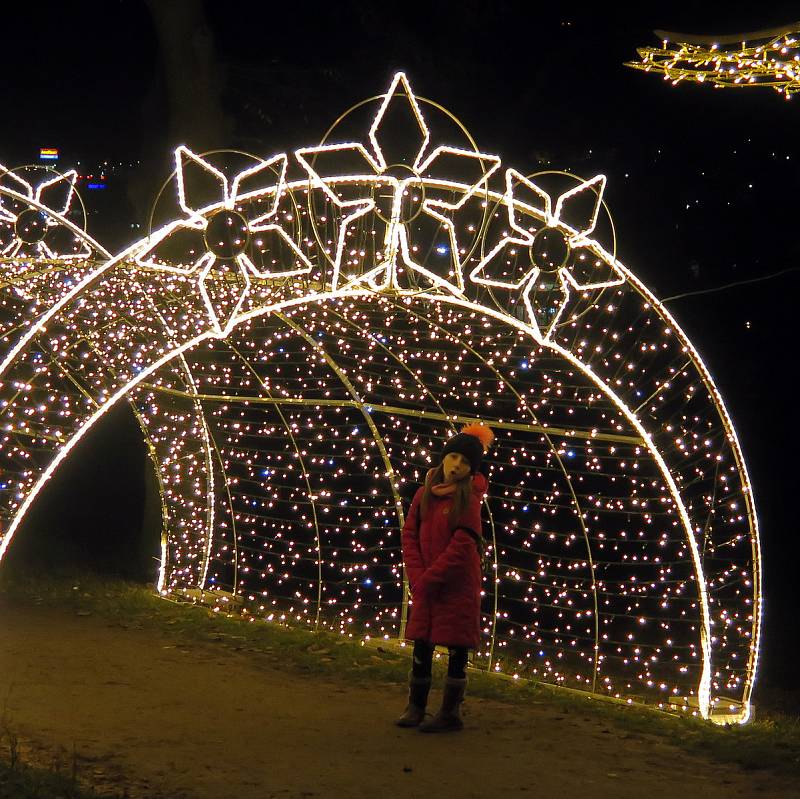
(326, 419)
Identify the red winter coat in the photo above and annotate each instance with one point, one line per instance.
(444, 571)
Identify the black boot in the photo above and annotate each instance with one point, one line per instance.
(449, 716)
(418, 688)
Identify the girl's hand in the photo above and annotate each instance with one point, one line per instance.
(424, 584)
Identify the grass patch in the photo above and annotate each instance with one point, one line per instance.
(771, 742)
(19, 780)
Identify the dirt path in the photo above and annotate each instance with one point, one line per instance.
(201, 721)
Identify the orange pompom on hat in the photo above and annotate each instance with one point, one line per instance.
(472, 442)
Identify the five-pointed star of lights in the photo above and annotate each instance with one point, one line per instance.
(552, 218)
(40, 201)
(398, 233)
(198, 219)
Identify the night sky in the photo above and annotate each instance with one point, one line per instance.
(701, 182)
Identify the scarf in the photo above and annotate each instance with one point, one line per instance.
(443, 489)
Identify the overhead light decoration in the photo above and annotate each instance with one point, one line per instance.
(766, 58)
(306, 332)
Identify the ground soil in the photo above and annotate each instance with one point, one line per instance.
(136, 710)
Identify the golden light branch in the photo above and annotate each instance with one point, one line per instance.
(765, 58)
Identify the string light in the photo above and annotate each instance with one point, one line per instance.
(294, 388)
(768, 58)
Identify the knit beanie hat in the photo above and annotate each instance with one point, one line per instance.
(472, 442)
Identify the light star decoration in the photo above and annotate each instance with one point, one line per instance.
(226, 234)
(417, 164)
(31, 219)
(569, 237)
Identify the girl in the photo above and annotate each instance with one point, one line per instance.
(442, 542)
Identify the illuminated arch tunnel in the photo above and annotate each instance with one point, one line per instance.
(299, 341)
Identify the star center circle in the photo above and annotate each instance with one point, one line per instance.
(31, 226)
(226, 234)
(550, 250)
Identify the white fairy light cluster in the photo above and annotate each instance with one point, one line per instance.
(301, 340)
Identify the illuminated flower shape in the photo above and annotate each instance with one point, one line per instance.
(550, 273)
(32, 220)
(402, 180)
(223, 269)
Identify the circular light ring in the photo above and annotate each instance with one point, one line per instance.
(227, 234)
(39, 269)
(43, 243)
(444, 111)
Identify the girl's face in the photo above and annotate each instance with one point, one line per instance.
(456, 467)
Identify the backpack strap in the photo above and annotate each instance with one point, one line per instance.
(477, 536)
(480, 543)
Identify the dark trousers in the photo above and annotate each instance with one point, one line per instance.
(423, 660)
